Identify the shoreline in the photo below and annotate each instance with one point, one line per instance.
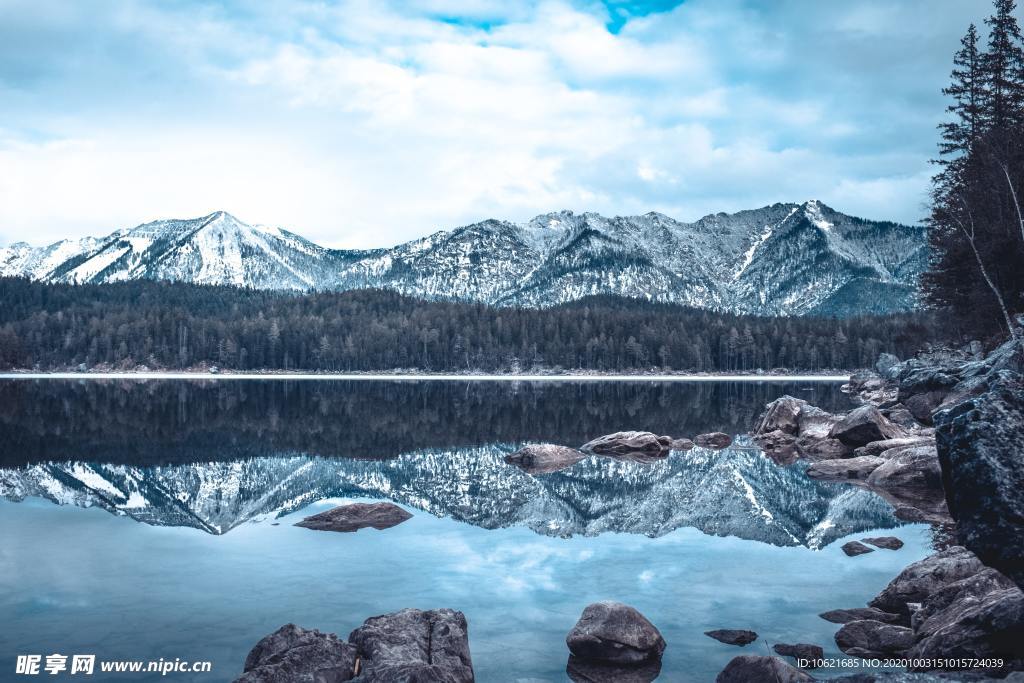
(184, 375)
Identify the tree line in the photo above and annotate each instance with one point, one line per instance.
(976, 224)
(165, 325)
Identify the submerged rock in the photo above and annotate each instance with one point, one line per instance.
(293, 654)
(979, 451)
(887, 542)
(732, 636)
(864, 425)
(807, 656)
(868, 639)
(627, 443)
(716, 440)
(760, 668)
(414, 645)
(544, 458)
(854, 548)
(356, 516)
(614, 633)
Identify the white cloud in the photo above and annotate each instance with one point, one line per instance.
(365, 123)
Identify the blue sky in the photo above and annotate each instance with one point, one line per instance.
(364, 123)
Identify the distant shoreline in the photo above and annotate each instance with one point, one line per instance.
(440, 377)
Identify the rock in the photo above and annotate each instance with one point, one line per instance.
(779, 446)
(869, 639)
(887, 365)
(807, 656)
(681, 444)
(414, 645)
(887, 542)
(544, 458)
(780, 415)
(922, 578)
(845, 616)
(822, 448)
(899, 415)
(760, 668)
(921, 406)
(945, 605)
(815, 422)
(914, 467)
(864, 425)
(880, 447)
(732, 636)
(614, 633)
(854, 548)
(716, 440)
(626, 443)
(590, 671)
(979, 449)
(296, 655)
(356, 516)
(845, 468)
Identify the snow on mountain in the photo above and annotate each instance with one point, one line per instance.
(784, 259)
(734, 492)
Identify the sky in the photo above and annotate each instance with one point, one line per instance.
(364, 123)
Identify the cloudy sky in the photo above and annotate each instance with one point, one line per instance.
(365, 122)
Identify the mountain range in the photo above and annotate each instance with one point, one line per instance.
(734, 492)
(784, 259)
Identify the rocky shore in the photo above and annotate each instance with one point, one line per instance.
(940, 437)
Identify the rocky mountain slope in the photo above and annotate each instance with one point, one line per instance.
(735, 492)
(784, 259)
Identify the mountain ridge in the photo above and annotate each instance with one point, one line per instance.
(783, 259)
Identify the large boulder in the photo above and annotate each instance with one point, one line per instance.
(914, 467)
(980, 617)
(544, 458)
(760, 668)
(614, 633)
(980, 453)
(920, 579)
(845, 468)
(782, 415)
(890, 445)
(864, 425)
(356, 516)
(868, 639)
(414, 645)
(628, 443)
(292, 654)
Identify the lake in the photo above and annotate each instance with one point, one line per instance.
(148, 519)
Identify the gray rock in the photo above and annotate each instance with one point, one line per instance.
(899, 415)
(627, 443)
(845, 468)
(681, 444)
(614, 633)
(760, 668)
(296, 655)
(922, 578)
(864, 425)
(807, 656)
(845, 616)
(893, 445)
(854, 548)
(914, 467)
(887, 365)
(716, 440)
(544, 458)
(921, 406)
(414, 645)
(887, 542)
(943, 607)
(356, 516)
(781, 415)
(779, 446)
(979, 450)
(590, 671)
(868, 639)
(815, 422)
(732, 636)
(822, 448)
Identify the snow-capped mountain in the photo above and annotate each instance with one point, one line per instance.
(735, 492)
(784, 259)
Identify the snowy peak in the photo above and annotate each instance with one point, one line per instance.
(783, 259)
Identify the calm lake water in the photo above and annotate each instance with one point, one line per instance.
(154, 519)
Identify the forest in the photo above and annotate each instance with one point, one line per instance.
(164, 325)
